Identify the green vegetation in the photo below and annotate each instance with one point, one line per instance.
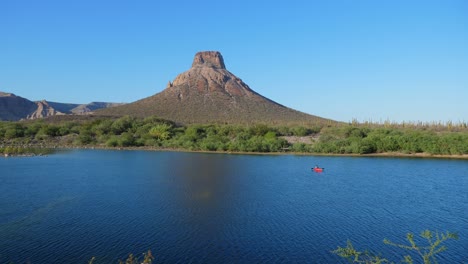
(147, 259)
(367, 140)
(153, 132)
(24, 151)
(426, 253)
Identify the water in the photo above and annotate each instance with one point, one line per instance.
(221, 208)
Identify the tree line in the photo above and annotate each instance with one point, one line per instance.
(154, 132)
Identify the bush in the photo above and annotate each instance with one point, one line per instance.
(426, 253)
(126, 140)
(259, 130)
(104, 127)
(121, 125)
(301, 131)
(14, 131)
(367, 146)
(85, 137)
(113, 141)
(160, 131)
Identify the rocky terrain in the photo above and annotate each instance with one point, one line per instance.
(93, 106)
(208, 93)
(14, 108)
(43, 110)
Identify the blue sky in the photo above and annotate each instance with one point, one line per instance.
(350, 59)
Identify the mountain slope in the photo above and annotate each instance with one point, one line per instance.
(93, 106)
(208, 93)
(14, 107)
(63, 107)
(43, 110)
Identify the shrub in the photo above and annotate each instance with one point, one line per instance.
(126, 140)
(113, 141)
(426, 253)
(301, 131)
(160, 131)
(85, 137)
(14, 131)
(121, 125)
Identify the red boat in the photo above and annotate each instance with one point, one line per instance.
(316, 169)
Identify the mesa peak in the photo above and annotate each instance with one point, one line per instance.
(212, 59)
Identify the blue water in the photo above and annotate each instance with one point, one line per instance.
(221, 208)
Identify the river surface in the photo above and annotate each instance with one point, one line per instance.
(222, 208)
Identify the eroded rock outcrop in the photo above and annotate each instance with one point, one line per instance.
(208, 74)
(211, 59)
(43, 110)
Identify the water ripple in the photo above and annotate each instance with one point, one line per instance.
(201, 208)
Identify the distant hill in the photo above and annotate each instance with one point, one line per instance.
(14, 108)
(44, 109)
(93, 106)
(63, 107)
(208, 93)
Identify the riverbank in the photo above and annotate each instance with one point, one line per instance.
(10, 151)
(415, 155)
(154, 134)
(45, 150)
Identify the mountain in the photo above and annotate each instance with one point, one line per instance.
(14, 108)
(208, 93)
(93, 106)
(43, 110)
(63, 107)
(80, 109)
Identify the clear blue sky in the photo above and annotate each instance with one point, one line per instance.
(370, 60)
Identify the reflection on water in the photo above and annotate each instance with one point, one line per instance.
(218, 208)
(202, 186)
(13, 228)
(204, 179)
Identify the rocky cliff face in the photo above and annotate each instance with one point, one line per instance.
(43, 110)
(208, 93)
(209, 75)
(210, 59)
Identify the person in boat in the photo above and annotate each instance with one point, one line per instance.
(316, 167)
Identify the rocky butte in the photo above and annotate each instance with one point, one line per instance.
(209, 93)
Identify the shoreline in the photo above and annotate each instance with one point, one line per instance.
(146, 148)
